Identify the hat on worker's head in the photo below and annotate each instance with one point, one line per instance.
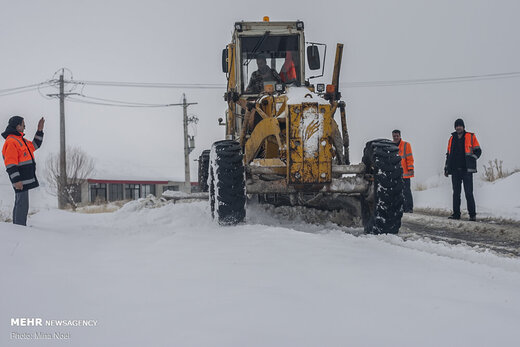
(459, 122)
(261, 55)
(15, 121)
(11, 126)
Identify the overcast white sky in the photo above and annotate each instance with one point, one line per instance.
(181, 42)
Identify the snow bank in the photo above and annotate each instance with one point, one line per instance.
(175, 194)
(498, 199)
(136, 205)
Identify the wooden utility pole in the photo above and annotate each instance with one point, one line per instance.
(187, 178)
(62, 182)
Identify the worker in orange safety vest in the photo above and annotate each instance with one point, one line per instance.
(405, 151)
(461, 163)
(18, 154)
(288, 71)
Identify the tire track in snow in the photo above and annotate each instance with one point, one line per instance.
(481, 237)
(502, 238)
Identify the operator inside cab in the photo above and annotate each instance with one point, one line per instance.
(262, 75)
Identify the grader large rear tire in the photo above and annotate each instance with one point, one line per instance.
(227, 183)
(204, 170)
(382, 209)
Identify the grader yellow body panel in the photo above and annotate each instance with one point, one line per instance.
(267, 127)
(308, 141)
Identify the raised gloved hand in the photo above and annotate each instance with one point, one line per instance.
(41, 123)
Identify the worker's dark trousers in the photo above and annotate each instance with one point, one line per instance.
(407, 192)
(458, 178)
(21, 207)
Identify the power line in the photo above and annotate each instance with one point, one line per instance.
(455, 79)
(23, 89)
(361, 84)
(19, 91)
(117, 103)
(127, 102)
(151, 85)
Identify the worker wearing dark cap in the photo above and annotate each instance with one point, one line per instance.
(461, 163)
(18, 154)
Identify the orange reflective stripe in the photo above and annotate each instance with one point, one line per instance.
(470, 143)
(402, 148)
(475, 142)
(14, 138)
(449, 144)
(10, 153)
(405, 152)
(30, 146)
(26, 162)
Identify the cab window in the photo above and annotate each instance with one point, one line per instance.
(269, 59)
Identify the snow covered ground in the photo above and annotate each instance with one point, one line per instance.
(168, 276)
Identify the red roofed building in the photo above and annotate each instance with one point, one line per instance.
(102, 190)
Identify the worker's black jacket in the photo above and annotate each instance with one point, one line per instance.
(462, 154)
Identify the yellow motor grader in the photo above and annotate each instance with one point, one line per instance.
(283, 143)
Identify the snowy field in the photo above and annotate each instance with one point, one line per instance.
(168, 276)
(497, 199)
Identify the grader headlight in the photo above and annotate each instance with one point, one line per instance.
(269, 88)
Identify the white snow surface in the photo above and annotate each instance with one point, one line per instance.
(298, 95)
(311, 131)
(169, 276)
(174, 194)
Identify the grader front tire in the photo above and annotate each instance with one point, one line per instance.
(227, 183)
(382, 210)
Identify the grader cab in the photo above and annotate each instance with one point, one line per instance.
(283, 143)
